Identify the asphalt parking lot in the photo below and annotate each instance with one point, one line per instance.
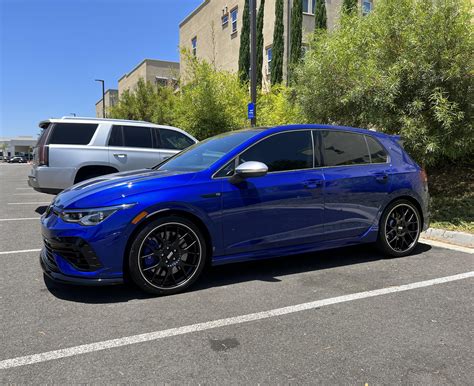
(345, 316)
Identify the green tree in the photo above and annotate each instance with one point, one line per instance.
(320, 15)
(407, 69)
(278, 107)
(210, 101)
(349, 6)
(278, 48)
(147, 102)
(260, 20)
(296, 33)
(244, 51)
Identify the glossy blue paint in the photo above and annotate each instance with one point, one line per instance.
(282, 213)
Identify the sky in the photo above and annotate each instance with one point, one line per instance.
(52, 50)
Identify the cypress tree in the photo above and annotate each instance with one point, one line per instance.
(349, 6)
(296, 32)
(278, 48)
(261, 13)
(244, 51)
(320, 15)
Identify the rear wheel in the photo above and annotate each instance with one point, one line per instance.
(167, 256)
(399, 229)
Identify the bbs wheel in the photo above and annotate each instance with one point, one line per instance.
(400, 228)
(167, 256)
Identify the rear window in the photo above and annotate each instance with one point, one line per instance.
(72, 133)
(344, 148)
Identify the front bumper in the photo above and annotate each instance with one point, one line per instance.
(51, 272)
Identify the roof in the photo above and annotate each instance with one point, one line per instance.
(174, 64)
(327, 127)
(196, 10)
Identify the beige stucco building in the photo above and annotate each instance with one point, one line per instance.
(212, 30)
(158, 72)
(111, 99)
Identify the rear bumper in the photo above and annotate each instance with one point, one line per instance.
(46, 179)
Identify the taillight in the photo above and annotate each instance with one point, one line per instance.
(43, 156)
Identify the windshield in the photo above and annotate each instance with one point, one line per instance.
(203, 154)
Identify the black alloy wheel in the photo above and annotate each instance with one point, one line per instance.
(400, 229)
(167, 256)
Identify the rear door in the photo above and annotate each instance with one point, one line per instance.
(357, 182)
(133, 147)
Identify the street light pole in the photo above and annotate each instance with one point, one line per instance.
(103, 96)
(253, 58)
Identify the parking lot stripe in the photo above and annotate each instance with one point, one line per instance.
(22, 251)
(152, 336)
(20, 219)
(23, 203)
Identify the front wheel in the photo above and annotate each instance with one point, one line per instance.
(167, 256)
(399, 229)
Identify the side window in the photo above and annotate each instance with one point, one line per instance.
(116, 137)
(227, 170)
(137, 136)
(174, 140)
(376, 151)
(285, 151)
(344, 148)
(72, 133)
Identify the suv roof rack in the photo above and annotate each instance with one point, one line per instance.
(100, 119)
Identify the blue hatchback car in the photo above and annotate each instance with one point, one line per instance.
(241, 195)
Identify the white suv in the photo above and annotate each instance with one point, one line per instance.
(73, 149)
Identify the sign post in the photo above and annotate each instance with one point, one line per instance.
(253, 62)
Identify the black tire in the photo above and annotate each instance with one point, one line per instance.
(399, 229)
(167, 256)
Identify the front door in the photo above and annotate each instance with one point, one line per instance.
(283, 208)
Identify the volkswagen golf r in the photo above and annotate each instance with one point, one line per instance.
(242, 195)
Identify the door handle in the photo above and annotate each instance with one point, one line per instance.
(313, 184)
(120, 155)
(382, 177)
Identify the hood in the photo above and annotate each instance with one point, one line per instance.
(114, 189)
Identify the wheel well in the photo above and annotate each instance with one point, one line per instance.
(94, 171)
(171, 212)
(414, 201)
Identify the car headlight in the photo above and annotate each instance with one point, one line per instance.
(91, 216)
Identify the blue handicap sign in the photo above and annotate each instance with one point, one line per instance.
(251, 110)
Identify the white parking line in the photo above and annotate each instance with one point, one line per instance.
(21, 251)
(23, 188)
(27, 194)
(19, 219)
(151, 336)
(23, 203)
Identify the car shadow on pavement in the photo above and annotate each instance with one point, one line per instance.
(41, 209)
(268, 270)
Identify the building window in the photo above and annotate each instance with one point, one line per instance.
(225, 20)
(366, 7)
(269, 59)
(194, 45)
(233, 17)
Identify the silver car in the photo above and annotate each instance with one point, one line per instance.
(73, 149)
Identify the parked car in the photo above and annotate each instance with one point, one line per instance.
(72, 149)
(17, 160)
(239, 196)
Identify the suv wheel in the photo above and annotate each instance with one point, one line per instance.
(167, 256)
(399, 229)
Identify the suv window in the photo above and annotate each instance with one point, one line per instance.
(376, 151)
(344, 148)
(137, 136)
(174, 140)
(116, 136)
(72, 133)
(285, 151)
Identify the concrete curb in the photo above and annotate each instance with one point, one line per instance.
(452, 237)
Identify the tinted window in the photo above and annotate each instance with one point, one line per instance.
(343, 148)
(174, 140)
(72, 133)
(136, 136)
(285, 151)
(116, 137)
(377, 152)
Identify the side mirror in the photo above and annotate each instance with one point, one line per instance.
(250, 169)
